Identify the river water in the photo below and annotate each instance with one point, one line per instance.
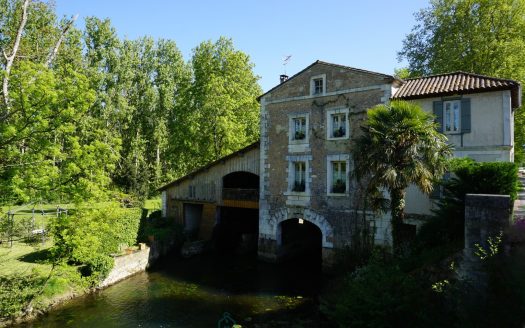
(200, 292)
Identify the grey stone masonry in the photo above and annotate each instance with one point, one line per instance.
(486, 216)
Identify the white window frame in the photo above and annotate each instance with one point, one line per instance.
(451, 103)
(312, 84)
(329, 173)
(291, 175)
(291, 129)
(329, 123)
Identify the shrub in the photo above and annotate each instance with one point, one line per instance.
(469, 177)
(161, 228)
(382, 295)
(91, 236)
(16, 291)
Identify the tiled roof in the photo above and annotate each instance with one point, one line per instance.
(456, 83)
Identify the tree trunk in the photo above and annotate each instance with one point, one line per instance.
(397, 206)
(11, 58)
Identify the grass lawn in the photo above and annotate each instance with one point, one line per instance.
(23, 257)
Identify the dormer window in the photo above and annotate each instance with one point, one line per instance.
(318, 85)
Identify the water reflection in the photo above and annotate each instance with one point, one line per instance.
(196, 293)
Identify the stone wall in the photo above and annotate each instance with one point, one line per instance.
(486, 216)
(127, 265)
(347, 91)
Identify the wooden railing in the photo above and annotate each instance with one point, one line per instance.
(240, 194)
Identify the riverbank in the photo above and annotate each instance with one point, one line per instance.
(197, 292)
(125, 266)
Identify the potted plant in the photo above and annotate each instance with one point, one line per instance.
(339, 187)
(299, 187)
(299, 135)
(338, 133)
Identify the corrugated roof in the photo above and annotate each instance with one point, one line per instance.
(456, 83)
(204, 168)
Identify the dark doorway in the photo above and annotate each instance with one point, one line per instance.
(241, 179)
(237, 230)
(192, 219)
(240, 187)
(301, 242)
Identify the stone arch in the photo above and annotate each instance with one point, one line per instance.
(307, 215)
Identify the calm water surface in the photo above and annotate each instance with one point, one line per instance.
(197, 293)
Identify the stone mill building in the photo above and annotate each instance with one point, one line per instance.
(292, 192)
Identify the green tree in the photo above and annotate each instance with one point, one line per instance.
(479, 36)
(399, 146)
(224, 107)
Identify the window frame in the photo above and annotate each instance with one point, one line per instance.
(329, 123)
(451, 102)
(291, 128)
(330, 160)
(292, 174)
(321, 77)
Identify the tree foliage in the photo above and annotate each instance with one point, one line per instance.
(224, 105)
(104, 113)
(399, 146)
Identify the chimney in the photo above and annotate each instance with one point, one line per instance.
(283, 78)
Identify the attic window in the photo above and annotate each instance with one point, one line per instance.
(318, 85)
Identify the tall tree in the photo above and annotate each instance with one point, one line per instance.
(44, 152)
(479, 36)
(224, 106)
(399, 146)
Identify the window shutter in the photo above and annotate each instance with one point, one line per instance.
(465, 115)
(438, 112)
(436, 192)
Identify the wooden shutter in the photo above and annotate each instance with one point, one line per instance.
(438, 112)
(465, 115)
(436, 192)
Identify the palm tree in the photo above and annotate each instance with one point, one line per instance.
(399, 146)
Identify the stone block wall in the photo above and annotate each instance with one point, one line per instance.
(127, 265)
(350, 90)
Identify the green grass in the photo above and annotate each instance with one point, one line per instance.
(152, 204)
(22, 258)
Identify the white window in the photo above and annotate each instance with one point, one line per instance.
(338, 185)
(338, 175)
(299, 128)
(318, 85)
(299, 177)
(338, 125)
(452, 116)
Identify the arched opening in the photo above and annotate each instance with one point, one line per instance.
(300, 242)
(241, 180)
(237, 226)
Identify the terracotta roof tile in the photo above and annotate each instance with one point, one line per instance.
(456, 83)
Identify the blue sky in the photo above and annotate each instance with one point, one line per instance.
(362, 34)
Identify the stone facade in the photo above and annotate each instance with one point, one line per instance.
(346, 93)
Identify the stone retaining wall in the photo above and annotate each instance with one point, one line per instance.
(127, 265)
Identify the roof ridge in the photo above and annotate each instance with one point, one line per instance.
(326, 63)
